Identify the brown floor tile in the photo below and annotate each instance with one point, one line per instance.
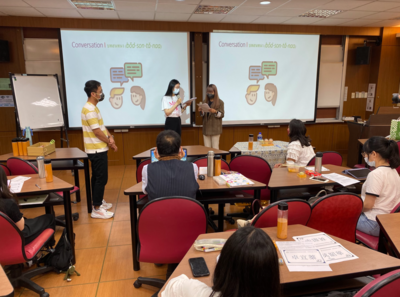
(120, 233)
(89, 263)
(124, 288)
(118, 265)
(122, 212)
(88, 290)
(92, 235)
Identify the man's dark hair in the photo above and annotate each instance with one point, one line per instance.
(91, 86)
(168, 143)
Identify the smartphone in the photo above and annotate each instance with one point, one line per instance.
(199, 267)
(319, 178)
(154, 159)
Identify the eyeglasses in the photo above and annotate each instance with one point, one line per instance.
(364, 154)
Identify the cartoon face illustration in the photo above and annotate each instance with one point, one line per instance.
(271, 93)
(138, 96)
(251, 95)
(116, 98)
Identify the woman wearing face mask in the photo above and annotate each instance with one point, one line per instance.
(172, 107)
(212, 121)
(381, 190)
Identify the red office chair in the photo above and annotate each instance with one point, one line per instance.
(255, 168)
(384, 286)
(19, 166)
(373, 241)
(202, 162)
(332, 158)
(299, 213)
(139, 173)
(337, 214)
(311, 162)
(6, 169)
(165, 237)
(13, 251)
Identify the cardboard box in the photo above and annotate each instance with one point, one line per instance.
(41, 149)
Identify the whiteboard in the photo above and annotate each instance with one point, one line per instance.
(38, 101)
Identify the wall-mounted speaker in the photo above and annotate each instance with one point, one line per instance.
(363, 55)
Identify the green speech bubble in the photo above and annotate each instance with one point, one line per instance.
(269, 68)
(133, 70)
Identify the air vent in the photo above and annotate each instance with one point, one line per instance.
(320, 13)
(97, 5)
(207, 9)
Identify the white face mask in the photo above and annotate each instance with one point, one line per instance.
(176, 91)
(370, 163)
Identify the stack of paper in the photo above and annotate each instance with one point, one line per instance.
(313, 252)
(313, 168)
(17, 183)
(32, 200)
(340, 179)
(236, 180)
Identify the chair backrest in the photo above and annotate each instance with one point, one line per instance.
(332, 158)
(140, 169)
(255, 168)
(398, 168)
(12, 242)
(386, 285)
(396, 208)
(298, 213)
(202, 162)
(6, 169)
(337, 214)
(20, 167)
(312, 162)
(168, 227)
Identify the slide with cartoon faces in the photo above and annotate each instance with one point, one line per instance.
(258, 73)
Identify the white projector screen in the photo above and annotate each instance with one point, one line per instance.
(265, 78)
(134, 69)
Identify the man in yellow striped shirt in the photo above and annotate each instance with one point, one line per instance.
(97, 139)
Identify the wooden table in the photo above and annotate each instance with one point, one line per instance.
(66, 159)
(281, 178)
(370, 262)
(389, 235)
(362, 141)
(6, 289)
(206, 187)
(192, 151)
(57, 185)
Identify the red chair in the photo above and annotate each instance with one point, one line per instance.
(384, 286)
(20, 166)
(332, 158)
(6, 169)
(373, 241)
(202, 162)
(13, 251)
(299, 213)
(337, 214)
(312, 162)
(164, 237)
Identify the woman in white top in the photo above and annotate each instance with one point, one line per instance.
(172, 107)
(381, 190)
(299, 150)
(247, 266)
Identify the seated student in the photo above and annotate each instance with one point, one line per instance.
(247, 266)
(299, 150)
(169, 176)
(381, 190)
(31, 228)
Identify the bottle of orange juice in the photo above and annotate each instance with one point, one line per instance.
(282, 220)
(251, 139)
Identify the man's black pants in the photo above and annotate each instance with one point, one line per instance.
(99, 163)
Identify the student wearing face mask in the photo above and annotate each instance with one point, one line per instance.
(97, 139)
(381, 190)
(212, 121)
(172, 107)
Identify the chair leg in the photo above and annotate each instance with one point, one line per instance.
(18, 279)
(155, 282)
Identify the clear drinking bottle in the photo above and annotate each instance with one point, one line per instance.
(282, 220)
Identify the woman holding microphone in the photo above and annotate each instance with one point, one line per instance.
(172, 107)
(212, 120)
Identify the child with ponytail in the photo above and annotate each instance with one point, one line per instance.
(381, 190)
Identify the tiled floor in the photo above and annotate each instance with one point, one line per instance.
(103, 247)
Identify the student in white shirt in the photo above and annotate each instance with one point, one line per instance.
(299, 150)
(172, 107)
(247, 266)
(381, 190)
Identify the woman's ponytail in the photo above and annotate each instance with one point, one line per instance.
(393, 154)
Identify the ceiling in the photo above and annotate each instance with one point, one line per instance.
(360, 13)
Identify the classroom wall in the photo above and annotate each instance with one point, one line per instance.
(329, 136)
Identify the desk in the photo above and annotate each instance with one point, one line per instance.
(389, 235)
(192, 151)
(370, 262)
(6, 289)
(66, 159)
(57, 185)
(362, 141)
(281, 178)
(205, 186)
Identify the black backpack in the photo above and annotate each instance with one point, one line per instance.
(61, 258)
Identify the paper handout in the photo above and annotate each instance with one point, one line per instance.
(204, 107)
(188, 102)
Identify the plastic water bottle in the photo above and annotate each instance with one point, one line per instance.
(259, 137)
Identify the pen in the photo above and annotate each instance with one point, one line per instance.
(38, 186)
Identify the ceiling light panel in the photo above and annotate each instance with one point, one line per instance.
(97, 5)
(208, 9)
(321, 13)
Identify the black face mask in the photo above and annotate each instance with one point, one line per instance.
(101, 97)
(210, 96)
